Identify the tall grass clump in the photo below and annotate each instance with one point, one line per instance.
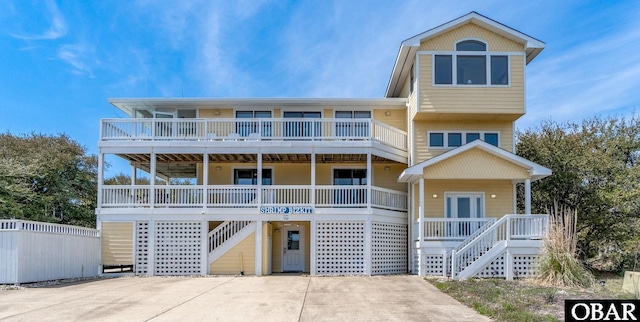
(559, 264)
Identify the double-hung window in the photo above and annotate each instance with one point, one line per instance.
(471, 64)
(453, 139)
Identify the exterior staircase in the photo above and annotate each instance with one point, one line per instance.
(228, 234)
(493, 239)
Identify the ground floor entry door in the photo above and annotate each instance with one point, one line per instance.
(293, 248)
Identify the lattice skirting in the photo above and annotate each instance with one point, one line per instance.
(388, 249)
(142, 248)
(523, 266)
(340, 248)
(178, 248)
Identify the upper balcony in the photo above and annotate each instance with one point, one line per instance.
(233, 132)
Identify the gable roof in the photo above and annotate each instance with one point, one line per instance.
(409, 47)
(536, 171)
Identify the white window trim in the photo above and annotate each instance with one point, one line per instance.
(250, 109)
(234, 168)
(480, 194)
(351, 167)
(454, 66)
(445, 139)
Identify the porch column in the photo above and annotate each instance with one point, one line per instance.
(152, 181)
(204, 248)
(259, 183)
(369, 172)
(100, 178)
(205, 181)
(258, 248)
(134, 174)
(312, 198)
(421, 271)
(527, 196)
(312, 248)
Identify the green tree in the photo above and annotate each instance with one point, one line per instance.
(47, 178)
(596, 171)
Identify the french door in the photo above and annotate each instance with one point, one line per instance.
(463, 205)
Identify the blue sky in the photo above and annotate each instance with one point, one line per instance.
(61, 60)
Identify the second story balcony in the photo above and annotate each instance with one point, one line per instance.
(231, 131)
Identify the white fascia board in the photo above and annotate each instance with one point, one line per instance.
(537, 171)
(129, 103)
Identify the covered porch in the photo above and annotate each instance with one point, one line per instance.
(461, 195)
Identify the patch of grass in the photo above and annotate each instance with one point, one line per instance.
(524, 300)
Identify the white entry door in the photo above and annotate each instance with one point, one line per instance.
(293, 249)
(463, 206)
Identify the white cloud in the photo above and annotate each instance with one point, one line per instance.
(78, 56)
(57, 28)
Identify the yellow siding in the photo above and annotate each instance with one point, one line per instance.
(421, 128)
(479, 100)
(266, 234)
(239, 258)
(211, 113)
(277, 113)
(327, 113)
(397, 118)
(389, 179)
(475, 164)
(496, 208)
(117, 243)
(276, 246)
(446, 41)
(406, 87)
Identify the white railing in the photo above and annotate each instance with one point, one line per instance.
(246, 196)
(273, 129)
(43, 227)
(388, 199)
(452, 228)
(286, 195)
(179, 196)
(125, 196)
(508, 227)
(231, 196)
(224, 232)
(341, 196)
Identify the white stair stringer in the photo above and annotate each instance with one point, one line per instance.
(466, 242)
(484, 260)
(224, 237)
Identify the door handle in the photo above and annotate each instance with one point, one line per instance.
(284, 250)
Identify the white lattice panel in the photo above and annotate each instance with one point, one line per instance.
(495, 268)
(389, 248)
(142, 247)
(416, 257)
(525, 265)
(433, 265)
(340, 248)
(178, 247)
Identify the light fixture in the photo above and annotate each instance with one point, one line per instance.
(216, 113)
(218, 168)
(387, 113)
(493, 196)
(387, 168)
(435, 196)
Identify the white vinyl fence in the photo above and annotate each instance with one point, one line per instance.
(34, 251)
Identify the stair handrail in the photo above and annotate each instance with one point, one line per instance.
(468, 240)
(486, 239)
(224, 232)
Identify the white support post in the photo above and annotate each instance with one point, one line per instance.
(508, 265)
(100, 177)
(369, 178)
(204, 250)
(205, 181)
(313, 181)
(259, 183)
(258, 248)
(453, 264)
(421, 271)
(367, 248)
(152, 181)
(134, 174)
(410, 228)
(444, 263)
(527, 196)
(151, 248)
(312, 248)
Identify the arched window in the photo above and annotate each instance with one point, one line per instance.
(471, 45)
(468, 66)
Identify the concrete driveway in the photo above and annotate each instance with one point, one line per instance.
(241, 298)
